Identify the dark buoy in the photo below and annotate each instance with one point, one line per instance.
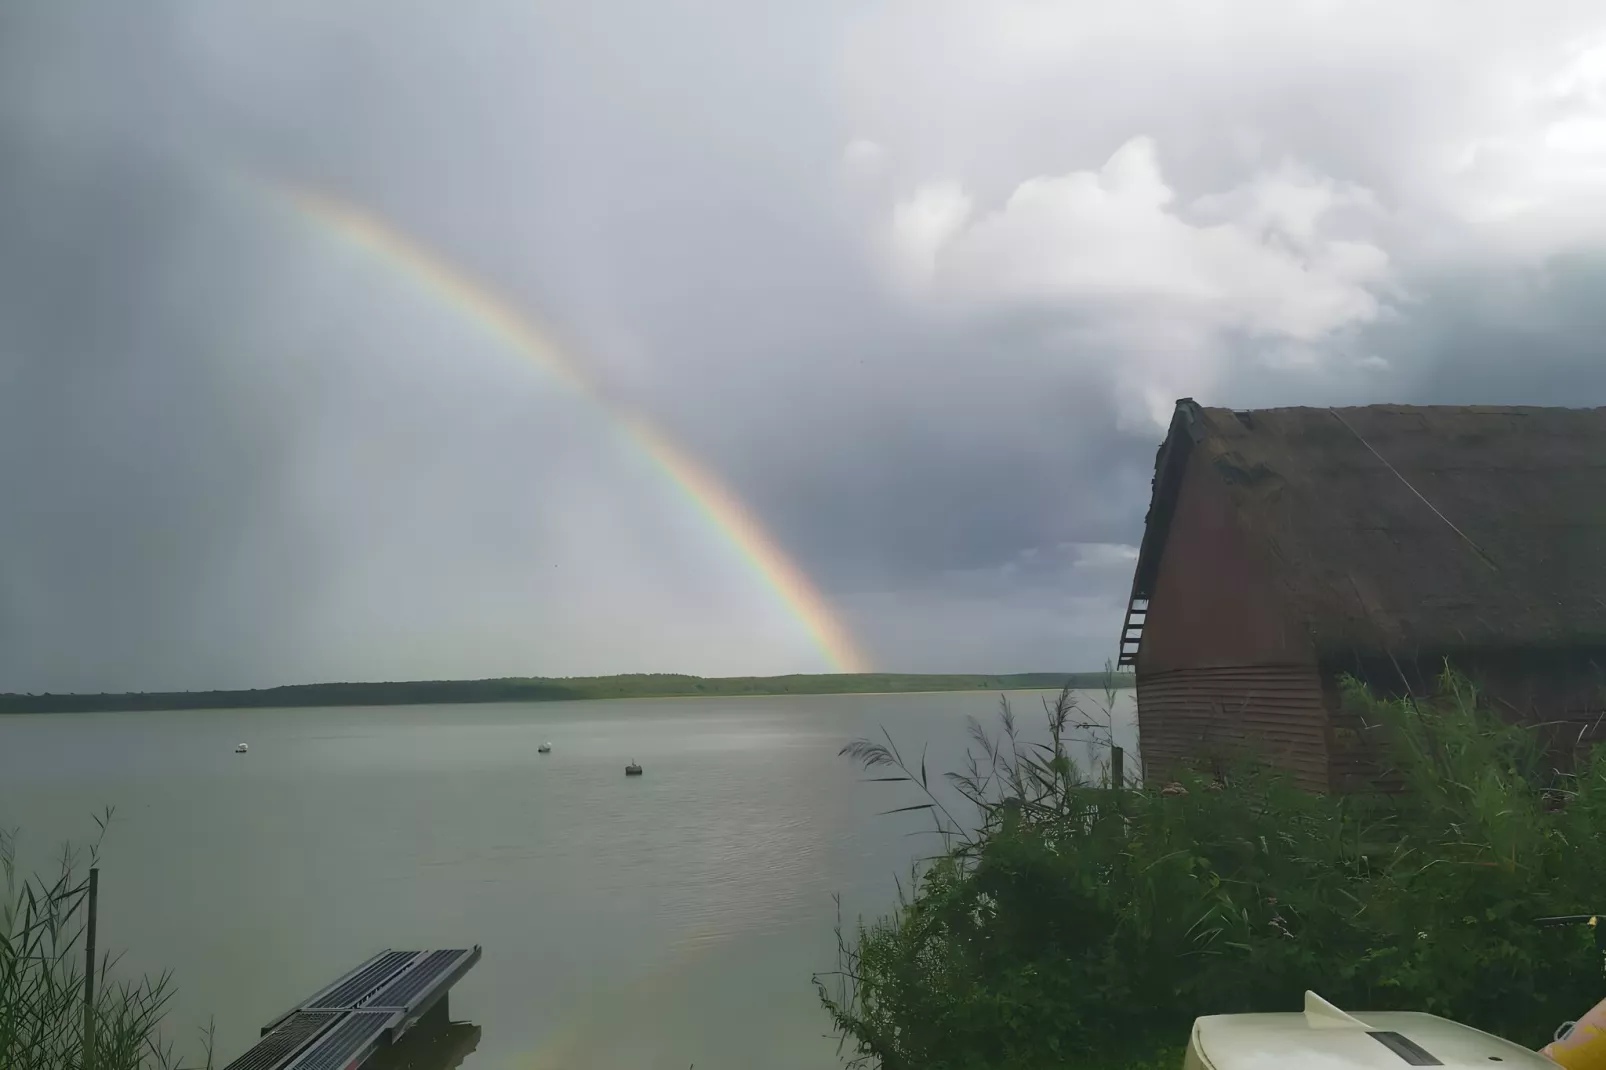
(632, 769)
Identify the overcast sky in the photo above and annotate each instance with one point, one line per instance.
(920, 281)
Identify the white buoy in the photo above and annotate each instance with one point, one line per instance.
(545, 748)
(241, 748)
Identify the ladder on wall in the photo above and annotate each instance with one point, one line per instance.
(1137, 611)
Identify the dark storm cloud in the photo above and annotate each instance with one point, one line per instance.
(118, 471)
(167, 439)
(1509, 338)
(220, 476)
(228, 458)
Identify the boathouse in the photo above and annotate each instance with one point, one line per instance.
(1284, 548)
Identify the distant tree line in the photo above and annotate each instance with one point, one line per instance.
(542, 689)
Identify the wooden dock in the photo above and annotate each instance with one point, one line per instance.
(342, 1025)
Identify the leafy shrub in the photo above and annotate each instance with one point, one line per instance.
(1072, 924)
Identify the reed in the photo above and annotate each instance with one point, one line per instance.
(42, 1010)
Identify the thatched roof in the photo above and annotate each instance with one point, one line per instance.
(1417, 529)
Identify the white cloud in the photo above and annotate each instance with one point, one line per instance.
(1281, 259)
(1322, 162)
(922, 225)
(1113, 235)
(1535, 177)
(1468, 111)
(863, 161)
(1105, 555)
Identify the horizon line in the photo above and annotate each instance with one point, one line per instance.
(556, 679)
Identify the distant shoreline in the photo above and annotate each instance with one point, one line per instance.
(569, 689)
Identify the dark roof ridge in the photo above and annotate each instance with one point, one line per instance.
(1433, 525)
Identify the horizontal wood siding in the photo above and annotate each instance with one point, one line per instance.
(1194, 717)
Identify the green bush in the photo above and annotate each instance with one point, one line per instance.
(42, 929)
(1069, 924)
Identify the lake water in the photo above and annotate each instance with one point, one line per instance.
(661, 921)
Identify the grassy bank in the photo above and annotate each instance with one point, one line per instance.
(540, 689)
(1063, 924)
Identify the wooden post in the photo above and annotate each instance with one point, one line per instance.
(1011, 815)
(1117, 768)
(89, 971)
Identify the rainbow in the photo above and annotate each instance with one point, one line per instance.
(718, 506)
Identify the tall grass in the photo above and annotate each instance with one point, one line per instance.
(1065, 921)
(42, 963)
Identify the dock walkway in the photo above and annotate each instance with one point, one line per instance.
(343, 1024)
